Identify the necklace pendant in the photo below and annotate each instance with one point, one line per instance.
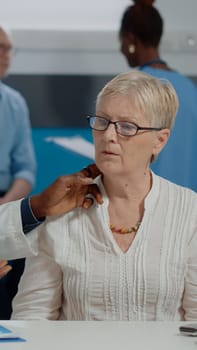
(124, 230)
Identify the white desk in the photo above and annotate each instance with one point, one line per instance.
(64, 335)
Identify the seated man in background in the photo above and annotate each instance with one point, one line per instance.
(18, 165)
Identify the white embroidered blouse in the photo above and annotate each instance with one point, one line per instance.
(82, 274)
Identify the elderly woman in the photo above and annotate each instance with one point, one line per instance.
(133, 257)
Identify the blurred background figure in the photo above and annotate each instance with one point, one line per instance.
(18, 165)
(140, 34)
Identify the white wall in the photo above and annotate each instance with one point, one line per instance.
(80, 36)
(89, 14)
(62, 14)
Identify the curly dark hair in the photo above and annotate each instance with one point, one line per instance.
(144, 21)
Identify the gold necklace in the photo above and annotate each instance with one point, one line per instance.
(124, 230)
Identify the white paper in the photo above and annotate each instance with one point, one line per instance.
(76, 143)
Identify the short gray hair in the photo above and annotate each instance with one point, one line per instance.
(155, 98)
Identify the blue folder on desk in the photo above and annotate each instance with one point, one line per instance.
(7, 335)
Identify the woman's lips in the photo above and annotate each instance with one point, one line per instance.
(109, 153)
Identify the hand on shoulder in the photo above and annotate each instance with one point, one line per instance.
(67, 192)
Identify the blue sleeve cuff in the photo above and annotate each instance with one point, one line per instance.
(29, 221)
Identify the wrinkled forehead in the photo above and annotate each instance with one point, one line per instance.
(121, 106)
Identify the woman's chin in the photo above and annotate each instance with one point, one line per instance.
(108, 168)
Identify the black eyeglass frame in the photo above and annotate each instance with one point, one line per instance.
(137, 127)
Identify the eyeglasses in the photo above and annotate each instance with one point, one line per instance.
(122, 128)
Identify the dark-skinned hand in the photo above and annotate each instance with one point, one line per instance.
(67, 192)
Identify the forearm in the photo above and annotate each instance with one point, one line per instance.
(19, 217)
(14, 243)
(20, 188)
(29, 219)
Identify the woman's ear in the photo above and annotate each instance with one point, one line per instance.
(130, 38)
(160, 140)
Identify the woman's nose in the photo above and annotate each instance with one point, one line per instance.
(110, 132)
